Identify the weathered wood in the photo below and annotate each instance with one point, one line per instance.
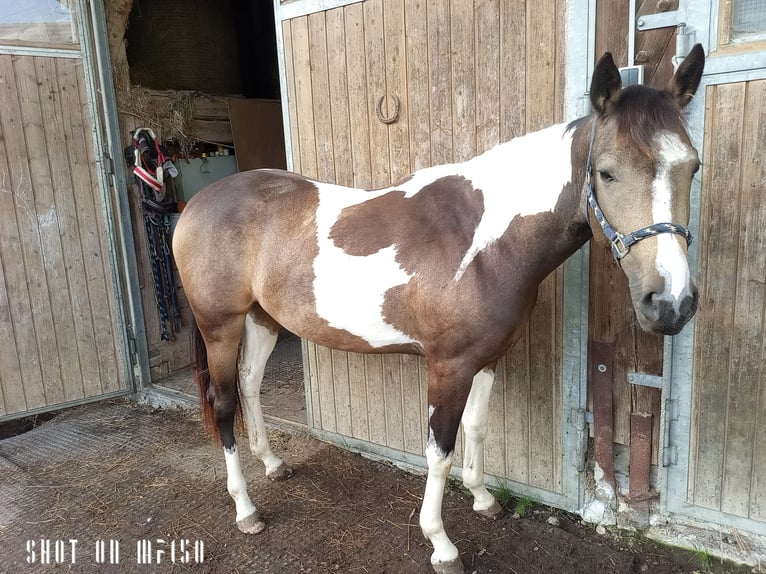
(418, 118)
(463, 80)
(517, 405)
(291, 96)
(717, 297)
(411, 405)
(440, 81)
(746, 309)
(513, 69)
(339, 101)
(541, 71)
(304, 97)
(341, 393)
(358, 108)
(487, 75)
(19, 74)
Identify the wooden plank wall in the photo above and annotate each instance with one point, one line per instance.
(57, 317)
(728, 450)
(468, 75)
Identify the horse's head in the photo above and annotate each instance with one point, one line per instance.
(642, 164)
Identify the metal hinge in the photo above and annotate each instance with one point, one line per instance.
(645, 380)
(669, 451)
(659, 20)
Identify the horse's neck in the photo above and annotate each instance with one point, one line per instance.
(531, 178)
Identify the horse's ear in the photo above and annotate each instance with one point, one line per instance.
(606, 84)
(685, 81)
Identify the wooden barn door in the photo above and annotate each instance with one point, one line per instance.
(467, 76)
(716, 451)
(60, 323)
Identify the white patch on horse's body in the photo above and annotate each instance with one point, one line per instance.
(520, 177)
(671, 261)
(349, 290)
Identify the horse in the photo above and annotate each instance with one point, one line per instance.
(444, 264)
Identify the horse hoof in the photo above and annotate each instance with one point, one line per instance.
(452, 567)
(492, 513)
(252, 524)
(283, 472)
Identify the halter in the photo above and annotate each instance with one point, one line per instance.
(621, 244)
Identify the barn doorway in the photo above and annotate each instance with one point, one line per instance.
(215, 63)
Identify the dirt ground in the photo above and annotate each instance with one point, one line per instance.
(119, 471)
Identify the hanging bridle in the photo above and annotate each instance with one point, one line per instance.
(621, 244)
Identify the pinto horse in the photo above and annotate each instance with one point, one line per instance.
(445, 264)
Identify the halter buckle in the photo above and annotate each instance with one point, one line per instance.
(619, 249)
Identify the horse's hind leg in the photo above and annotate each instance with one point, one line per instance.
(222, 350)
(257, 344)
(475, 427)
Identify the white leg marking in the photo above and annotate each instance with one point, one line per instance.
(431, 512)
(475, 426)
(257, 344)
(671, 262)
(236, 484)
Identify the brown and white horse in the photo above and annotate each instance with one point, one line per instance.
(445, 264)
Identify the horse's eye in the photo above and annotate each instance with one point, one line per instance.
(605, 175)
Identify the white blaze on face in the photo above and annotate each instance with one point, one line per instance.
(671, 258)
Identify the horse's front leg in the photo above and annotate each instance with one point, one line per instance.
(447, 394)
(475, 426)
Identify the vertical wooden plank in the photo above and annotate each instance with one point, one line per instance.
(440, 80)
(324, 365)
(303, 96)
(290, 96)
(517, 404)
(487, 74)
(714, 327)
(752, 181)
(357, 95)
(360, 426)
(380, 175)
(463, 80)
(540, 64)
(376, 399)
(341, 392)
(541, 331)
(423, 381)
(376, 87)
(411, 408)
(419, 120)
(748, 310)
(339, 96)
(73, 319)
(494, 447)
(392, 394)
(101, 289)
(396, 85)
(320, 92)
(316, 400)
(513, 72)
(15, 313)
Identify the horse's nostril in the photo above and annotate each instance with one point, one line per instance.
(650, 306)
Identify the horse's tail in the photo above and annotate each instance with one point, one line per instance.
(201, 375)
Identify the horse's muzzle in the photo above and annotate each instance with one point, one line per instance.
(664, 315)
